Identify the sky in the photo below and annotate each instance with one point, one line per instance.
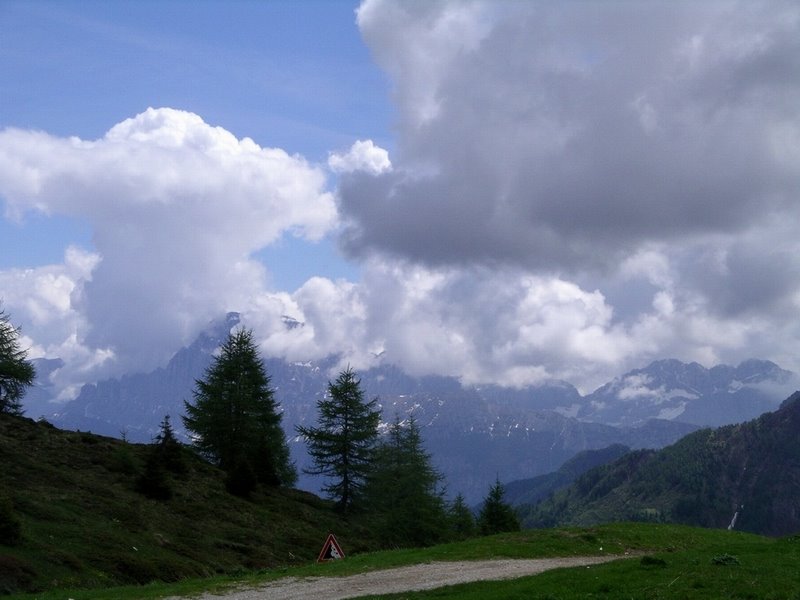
(506, 192)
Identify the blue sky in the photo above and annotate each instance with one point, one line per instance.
(294, 75)
(506, 192)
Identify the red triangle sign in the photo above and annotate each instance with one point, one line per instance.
(331, 550)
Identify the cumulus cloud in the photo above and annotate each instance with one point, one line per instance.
(570, 136)
(363, 155)
(177, 208)
(639, 163)
(499, 325)
(43, 299)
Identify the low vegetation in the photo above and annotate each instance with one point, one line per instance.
(670, 562)
(75, 526)
(661, 562)
(78, 510)
(74, 513)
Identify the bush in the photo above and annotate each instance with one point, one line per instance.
(725, 560)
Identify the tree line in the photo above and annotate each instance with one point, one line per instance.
(386, 481)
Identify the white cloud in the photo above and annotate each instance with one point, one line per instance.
(43, 299)
(363, 155)
(637, 162)
(482, 325)
(177, 208)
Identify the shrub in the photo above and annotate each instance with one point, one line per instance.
(725, 560)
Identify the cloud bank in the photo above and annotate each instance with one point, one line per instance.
(576, 189)
(177, 209)
(567, 136)
(649, 153)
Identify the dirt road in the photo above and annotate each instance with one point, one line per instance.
(404, 579)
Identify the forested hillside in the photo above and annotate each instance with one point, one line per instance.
(530, 491)
(751, 470)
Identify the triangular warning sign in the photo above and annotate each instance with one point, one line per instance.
(331, 550)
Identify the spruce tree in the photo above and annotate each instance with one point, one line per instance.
(165, 457)
(496, 516)
(16, 373)
(404, 490)
(461, 519)
(235, 419)
(168, 450)
(342, 444)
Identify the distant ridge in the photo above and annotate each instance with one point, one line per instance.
(530, 491)
(475, 433)
(751, 470)
(676, 391)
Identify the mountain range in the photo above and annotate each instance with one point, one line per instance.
(475, 434)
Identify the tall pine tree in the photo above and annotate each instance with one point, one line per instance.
(342, 444)
(235, 419)
(404, 490)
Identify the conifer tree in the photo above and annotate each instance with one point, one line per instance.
(168, 450)
(165, 456)
(16, 373)
(461, 519)
(404, 490)
(235, 418)
(496, 516)
(342, 444)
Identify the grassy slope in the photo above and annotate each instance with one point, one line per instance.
(683, 563)
(668, 561)
(84, 525)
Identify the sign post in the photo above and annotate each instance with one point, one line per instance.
(331, 550)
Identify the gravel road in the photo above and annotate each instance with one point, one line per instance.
(404, 579)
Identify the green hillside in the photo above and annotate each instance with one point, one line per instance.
(70, 516)
(530, 491)
(704, 479)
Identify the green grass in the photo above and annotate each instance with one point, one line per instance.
(682, 563)
(664, 561)
(84, 525)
